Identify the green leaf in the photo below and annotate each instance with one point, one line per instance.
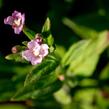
(16, 57)
(50, 40)
(32, 90)
(74, 52)
(10, 83)
(84, 67)
(82, 31)
(12, 106)
(47, 25)
(40, 77)
(88, 82)
(83, 56)
(46, 67)
(29, 33)
(8, 67)
(105, 72)
(60, 51)
(7, 89)
(25, 43)
(47, 33)
(46, 92)
(102, 98)
(86, 96)
(62, 97)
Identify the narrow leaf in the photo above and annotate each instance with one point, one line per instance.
(75, 51)
(105, 72)
(42, 69)
(45, 92)
(82, 31)
(62, 97)
(82, 58)
(40, 77)
(47, 25)
(47, 33)
(16, 57)
(29, 33)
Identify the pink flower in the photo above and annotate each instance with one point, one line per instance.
(35, 52)
(17, 21)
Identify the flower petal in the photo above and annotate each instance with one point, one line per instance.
(44, 50)
(44, 46)
(23, 19)
(27, 54)
(36, 60)
(17, 30)
(9, 20)
(16, 14)
(32, 44)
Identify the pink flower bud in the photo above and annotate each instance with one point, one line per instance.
(14, 49)
(38, 38)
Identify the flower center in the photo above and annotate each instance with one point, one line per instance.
(36, 52)
(17, 22)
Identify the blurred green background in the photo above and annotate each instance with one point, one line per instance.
(71, 22)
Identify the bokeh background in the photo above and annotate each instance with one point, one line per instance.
(90, 13)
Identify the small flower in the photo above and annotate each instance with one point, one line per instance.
(35, 52)
(17, 21)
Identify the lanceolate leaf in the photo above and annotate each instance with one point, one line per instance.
(29, 33)
(50, 40)
(47, 25)
(7, 90)
(45, 92)
(47, 33)
(46, 67)
(75, 51)
(105, 72)
(62, 96)
(30, 90)
(16, 57)
(82, 31)
(85, 67)
(83, 56)
(40, 77)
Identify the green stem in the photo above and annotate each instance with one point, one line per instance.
(29, 33)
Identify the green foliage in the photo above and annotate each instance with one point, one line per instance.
(105, 72)
(62, 97)
(29, 33)
(16, 53)
(12, 106)
(36, 79)
(46, 26)
(82, 31)
(16, 57)
(83, 56)
(46, 67)
(75, 74)
(47, 33)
